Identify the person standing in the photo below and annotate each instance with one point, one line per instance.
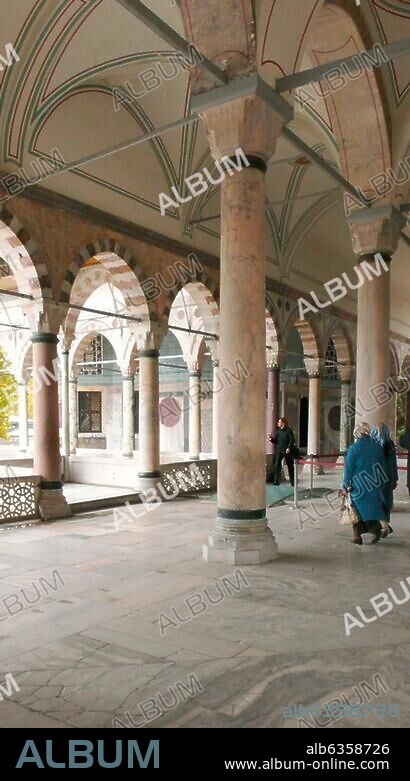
(404, 441)
(364, 461)
(381, 435)
(284, 440)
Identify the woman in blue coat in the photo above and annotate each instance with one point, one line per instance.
(381, 435)
(365, 474)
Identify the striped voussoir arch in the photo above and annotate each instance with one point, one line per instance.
(206, 287)
(23, 257)
(126, 272)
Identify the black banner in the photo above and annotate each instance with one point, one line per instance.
(197, 751)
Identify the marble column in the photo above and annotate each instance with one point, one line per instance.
(314, 415)
(65, 416)
(407, 412)
(148, 463)
(313, 445)
(272, 404)
(23, 416)
(73, 414)
(128, 415)
(374, 232)
(345, 409)
(194, 413)
(215, 396)
(46, 437)
(241, 534)
(344, 418)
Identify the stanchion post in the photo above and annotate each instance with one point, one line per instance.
(295, 483)
(311, 476)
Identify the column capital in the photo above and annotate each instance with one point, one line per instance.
(272, 365)
(375, 230)
(149, 340)
(193, 368)
(246, 123)
(345, 374)
(313, 366)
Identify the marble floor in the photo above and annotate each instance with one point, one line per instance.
(95, 624)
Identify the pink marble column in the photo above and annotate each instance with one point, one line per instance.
(46, 438)
(374, 231)
(148, 456)
(407, 410)
(272, 405)
(241, 534)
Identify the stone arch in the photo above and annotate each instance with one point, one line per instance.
(274, 345)
(344, 350)
(24, 360)
(394, 365)
(334, 33)
(23, 257)
(200, 312)
(312, 349)
(202, 289)
(405, 367)
(130, 356)
(308, 333)
(83, 344)
(88, 281)
(126, 272)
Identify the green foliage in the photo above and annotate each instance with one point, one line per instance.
(8, 396)
(401, 414)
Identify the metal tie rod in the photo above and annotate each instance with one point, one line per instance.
(392, 51)
(168, 34)
(104, 313)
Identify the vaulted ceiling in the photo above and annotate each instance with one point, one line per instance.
(73, 53)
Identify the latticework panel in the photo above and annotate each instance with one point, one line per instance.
(18, 498)
(189, 478)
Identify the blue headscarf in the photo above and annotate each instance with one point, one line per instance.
(380, 434)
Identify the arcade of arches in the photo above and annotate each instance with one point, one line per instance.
(135, 340)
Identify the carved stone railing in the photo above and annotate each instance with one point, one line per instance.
(189, 478)
(19, 497)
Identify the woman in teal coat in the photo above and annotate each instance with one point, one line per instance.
(365, 475)
(381, 435)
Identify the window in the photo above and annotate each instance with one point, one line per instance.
(92, 357)
(330, 370)
(89, 412)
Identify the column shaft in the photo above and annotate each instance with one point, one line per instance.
(407, 419)
(194, 415)
(73, 393)
(373, 356)
(241, 534)
(314, 415)
(345, 407)
(46, 438)
(65, 410)
(23, 417)
(215, 396)
(128, 411)
(272, 404)
(148, 415)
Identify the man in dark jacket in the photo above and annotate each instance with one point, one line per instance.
(404, 441)
(284, 440)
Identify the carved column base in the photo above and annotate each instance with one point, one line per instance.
(240, 548)
(53, 504)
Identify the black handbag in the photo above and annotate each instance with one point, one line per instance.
(295, 452)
